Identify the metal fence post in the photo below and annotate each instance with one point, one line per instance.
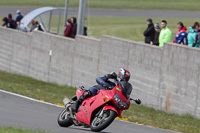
(65, 14)
(81, 17)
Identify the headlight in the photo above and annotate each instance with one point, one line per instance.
(117, 98)
(119, 101)
(123, 105)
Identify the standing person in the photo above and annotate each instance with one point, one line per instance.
(149, 33)
(165, 34)
(69, 30)
(156, 37)
(73, 19)
(192, 34)
(18, 16)
(85, 31)
(181, 35)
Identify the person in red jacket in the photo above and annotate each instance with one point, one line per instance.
(69, 30)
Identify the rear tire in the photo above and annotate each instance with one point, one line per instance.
(63, 119)
(97, 127)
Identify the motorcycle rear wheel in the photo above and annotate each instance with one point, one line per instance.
(98, 124)
(63, 119)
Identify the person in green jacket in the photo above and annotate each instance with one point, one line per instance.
(192, 34)
(165, 34)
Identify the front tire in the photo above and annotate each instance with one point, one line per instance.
(63, 119)
(98, 124)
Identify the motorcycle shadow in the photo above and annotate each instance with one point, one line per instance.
(85, 129)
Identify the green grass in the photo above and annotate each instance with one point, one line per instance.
(17, 130)
(138, 114)
(181, 5)
(156, 118)
(34, 88)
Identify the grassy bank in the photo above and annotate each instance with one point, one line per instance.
(17, 130)
(138, 114)
(34, 88)
(178, 5)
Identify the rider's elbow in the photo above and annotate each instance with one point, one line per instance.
(101, 80)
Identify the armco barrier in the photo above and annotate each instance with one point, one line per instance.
(165, 78)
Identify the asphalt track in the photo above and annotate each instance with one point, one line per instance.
(20, 111)
(4, 10)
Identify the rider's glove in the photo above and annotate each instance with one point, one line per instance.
(107, 85)
(112, 75)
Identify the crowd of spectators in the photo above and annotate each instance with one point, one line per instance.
(15, 23)
(156, 35)
(9, 22)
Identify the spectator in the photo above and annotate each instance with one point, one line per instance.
(85, 31)
(22, 28)
(149, 33)
(73, 19)
(18, 16)
(156, 37)
(192, 34)
(34, 25)
(69, 30)
(5, 22)
(181, 35)
(9, 22)
(196, 40)
(165, 34)
(37, 26)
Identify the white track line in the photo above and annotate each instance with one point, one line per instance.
(32, 99)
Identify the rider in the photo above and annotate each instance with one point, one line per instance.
(122, 77)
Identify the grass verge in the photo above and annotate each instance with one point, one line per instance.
(34, 88)
(17, 130)
(137, 114)
(178, 5)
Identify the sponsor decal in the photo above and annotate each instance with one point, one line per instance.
(118, 89)
(106, 96)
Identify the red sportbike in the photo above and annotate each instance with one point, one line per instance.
(96, 112)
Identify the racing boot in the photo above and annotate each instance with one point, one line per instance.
(79, 101)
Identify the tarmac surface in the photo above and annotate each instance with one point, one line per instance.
(20, 111)
(4, 10)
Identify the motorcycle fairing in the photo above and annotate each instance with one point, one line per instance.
(89, 105)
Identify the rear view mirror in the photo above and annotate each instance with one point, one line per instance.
(138, 101)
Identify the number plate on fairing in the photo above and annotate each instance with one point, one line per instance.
(66, 101)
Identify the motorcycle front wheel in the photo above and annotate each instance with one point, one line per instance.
(101, 122)
(63, 119)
